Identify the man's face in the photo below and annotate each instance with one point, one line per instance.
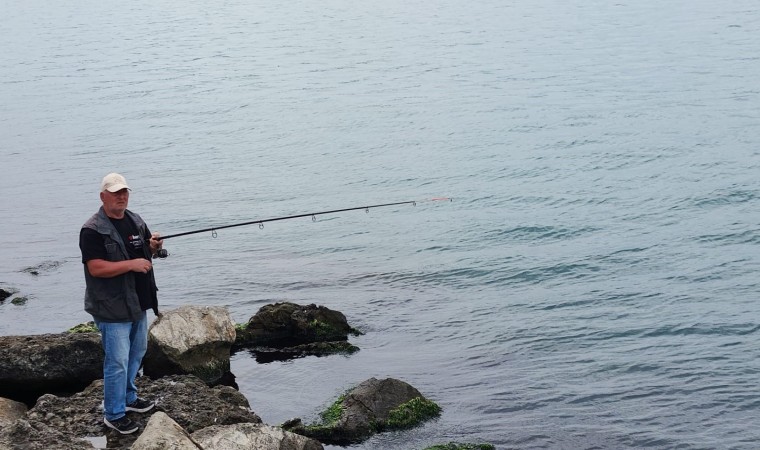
(115, 203)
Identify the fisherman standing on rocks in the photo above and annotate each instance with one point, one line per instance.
(117, 249)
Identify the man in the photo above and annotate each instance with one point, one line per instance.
(117, 250)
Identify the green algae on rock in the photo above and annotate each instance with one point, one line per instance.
(18, 301)
(88, 327)
(412, 413)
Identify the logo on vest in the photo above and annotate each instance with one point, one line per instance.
(135, 241)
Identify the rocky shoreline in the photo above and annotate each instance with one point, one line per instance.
(51, 386)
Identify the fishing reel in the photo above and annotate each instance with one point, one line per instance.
(161, 253)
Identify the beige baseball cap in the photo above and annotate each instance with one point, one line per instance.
(113, 182)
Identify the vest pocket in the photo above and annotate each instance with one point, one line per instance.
(111, 249)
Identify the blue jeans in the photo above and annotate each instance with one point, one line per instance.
(124, 344)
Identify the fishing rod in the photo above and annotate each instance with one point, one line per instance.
(313, 216)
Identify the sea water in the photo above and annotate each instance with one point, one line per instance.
(593, 283)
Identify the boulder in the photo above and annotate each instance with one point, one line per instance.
(243, 436)
(4, 294)
(288, 325)
(191, 340)
(184, 398)
(33, 435)
(10, 411)
(48, 363)
(373, 406)
(194, 405)
(163, 433)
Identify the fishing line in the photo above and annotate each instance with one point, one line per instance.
(313, 216)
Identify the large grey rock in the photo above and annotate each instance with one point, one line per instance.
(373, 406)
(33, 435)
(10, 411)
(245, 436)
(162, 433)
(34, 365)
(194, 405)
(184, 398)
(191, 340)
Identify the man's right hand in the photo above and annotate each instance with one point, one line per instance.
(141, 265)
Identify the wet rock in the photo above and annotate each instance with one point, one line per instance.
(373, 406)
(33, 365)
(191, 340)
(4, 294)
(10, 411)
(252, 436)
(287, 324)
(163, 433)
(285, 330)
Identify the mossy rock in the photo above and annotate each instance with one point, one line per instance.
(287, 324)
(329, 417)
(284, 331)
(18, 301)
(88, 327)
(371, 407)
(412, 413)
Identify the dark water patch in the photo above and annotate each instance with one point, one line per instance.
(723, 197)
(540, 340)
(458, 277)
(736, 238)
(555, 272)
(537, 233)
(570, 304)
(513, 173)
(718, 272)
(704, 330)
(650, 442)
(642, 368)
(531, 200)
(630, 256)
(301, 285)
(571, 144)
(593, 399)
(337, 250)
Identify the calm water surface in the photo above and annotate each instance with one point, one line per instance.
(594, 283)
